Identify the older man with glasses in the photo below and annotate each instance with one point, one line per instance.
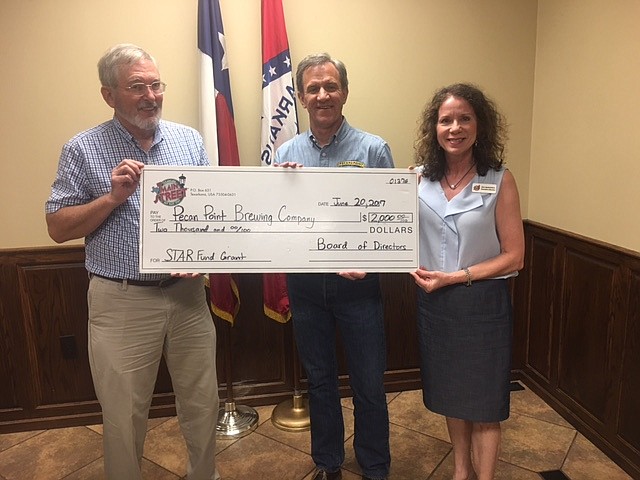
(134, 318)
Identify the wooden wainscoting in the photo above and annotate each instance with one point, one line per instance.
(576, 340)
(45, 379)
(581, 305)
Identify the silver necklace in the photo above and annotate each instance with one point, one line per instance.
(453, 186)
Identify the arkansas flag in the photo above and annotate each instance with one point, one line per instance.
(279, 115)
(279, 124)
(218, 129)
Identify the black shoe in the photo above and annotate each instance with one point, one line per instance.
(369, 478)
(323, 475)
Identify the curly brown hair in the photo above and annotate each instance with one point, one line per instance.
(488, 151)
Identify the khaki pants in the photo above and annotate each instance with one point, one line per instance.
(130, 328)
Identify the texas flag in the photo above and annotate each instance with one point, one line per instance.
(279, 124)
(218, 129)
(216, 112)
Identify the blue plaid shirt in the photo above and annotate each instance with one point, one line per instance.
(84, 174)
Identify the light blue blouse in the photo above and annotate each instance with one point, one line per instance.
(462, 232)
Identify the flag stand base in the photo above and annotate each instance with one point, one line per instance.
(292, 415)
(236, 421)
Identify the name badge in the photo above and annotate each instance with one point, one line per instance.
(484, 188)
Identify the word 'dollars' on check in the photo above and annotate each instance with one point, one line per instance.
(273, 219)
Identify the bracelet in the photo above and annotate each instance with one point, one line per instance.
(468, 274)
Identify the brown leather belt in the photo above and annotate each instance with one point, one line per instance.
(165, 282)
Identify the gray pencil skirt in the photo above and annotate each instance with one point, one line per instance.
(465, 336)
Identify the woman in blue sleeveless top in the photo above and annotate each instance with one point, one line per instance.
(471, 242)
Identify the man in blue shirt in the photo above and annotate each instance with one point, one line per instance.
(349, 301)
(136, 318)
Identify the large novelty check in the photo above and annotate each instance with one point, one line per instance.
(269, 219)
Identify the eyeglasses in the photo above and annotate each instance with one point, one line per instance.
(141, 88)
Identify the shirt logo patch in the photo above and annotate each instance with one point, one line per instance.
(351, 163)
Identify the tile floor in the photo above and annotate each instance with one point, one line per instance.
(535, 439)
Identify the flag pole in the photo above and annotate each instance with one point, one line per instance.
(293, 415)
(279, 124)
(234, 421)
(219, 135)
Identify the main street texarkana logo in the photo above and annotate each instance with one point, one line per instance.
(170, 191)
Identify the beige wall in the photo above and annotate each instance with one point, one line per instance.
(585, 164)
(397, 53)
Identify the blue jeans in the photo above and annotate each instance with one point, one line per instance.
(320, 304)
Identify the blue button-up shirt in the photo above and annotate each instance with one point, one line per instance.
(84, 174)
(349, 147)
